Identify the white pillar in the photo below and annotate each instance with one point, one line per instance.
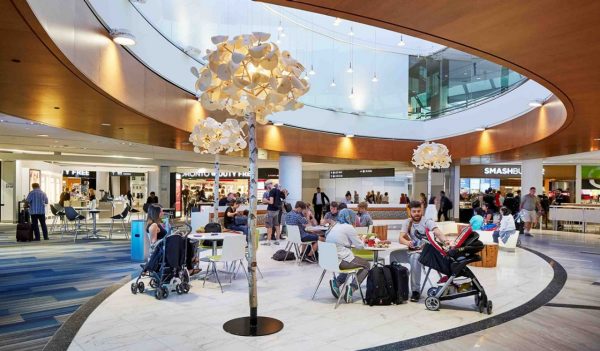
(456, 192)
(578, 184)
(290, 176)
(164, 186)
(8, 187)
(532, 174)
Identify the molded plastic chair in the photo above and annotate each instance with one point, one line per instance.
(57, 215)
(328, 260)
(121, 216)
(74, 216)
(234, 250)
(295, 240)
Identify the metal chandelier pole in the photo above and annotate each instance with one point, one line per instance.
(216, 191)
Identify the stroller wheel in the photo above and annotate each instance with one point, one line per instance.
(165, 291)
(134, 288)
(153, 283)
(432, 291)
(141, 287)
(489, 307)
(481, 305)
(185, 287)
(159, 294)
(432, 303)
(178, 289)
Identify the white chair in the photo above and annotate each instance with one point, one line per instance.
(511, 243)
(234, 250)
(328, 260)
(295, 240)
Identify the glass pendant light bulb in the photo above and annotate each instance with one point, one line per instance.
(337, 21)
(332, 83)
(312, 71)
(350, 70)
(351, 32)
(375, 80)
(280, 28)
(401, 43)
(351, 96)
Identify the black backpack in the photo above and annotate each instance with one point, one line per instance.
(280, 255)
(380, 287)
(212, 228)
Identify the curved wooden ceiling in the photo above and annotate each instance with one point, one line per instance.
(95, 81)
(552, 41)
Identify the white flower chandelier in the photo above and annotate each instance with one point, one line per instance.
(210, 136)
(431, 155)
(247, 74)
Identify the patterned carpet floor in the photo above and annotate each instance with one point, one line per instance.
(43, 283)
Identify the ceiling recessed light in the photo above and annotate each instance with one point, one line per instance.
(56, 108)
(480, 129)
(105, 124)
(349, 135)
(279, 124)
(536, 103)
(42, 135)
(16, 60)
(122, 37)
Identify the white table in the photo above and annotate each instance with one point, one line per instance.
(376, 250)
(211, 237)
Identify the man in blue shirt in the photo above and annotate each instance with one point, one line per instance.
(37, 201)
(302, 217)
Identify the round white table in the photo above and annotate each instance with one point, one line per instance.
(376, 250)
(211, 237)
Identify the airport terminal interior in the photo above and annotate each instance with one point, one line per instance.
(299, 175)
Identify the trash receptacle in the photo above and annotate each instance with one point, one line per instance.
(139, 249)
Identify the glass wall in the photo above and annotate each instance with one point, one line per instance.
(451, 80)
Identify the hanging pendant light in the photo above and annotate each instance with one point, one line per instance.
(280, 28)
(351, 32)
(351, 96)
(374, 79)
(337, 21)
(350, 70)
(401, 43)
(332, 83)
(312, 71)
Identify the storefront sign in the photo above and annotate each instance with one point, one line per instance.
(514, 170)
(202, 174)
(79, 174)
(362, 173)
(268, 173)
(131, 174)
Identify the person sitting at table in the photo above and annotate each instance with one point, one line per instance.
(331, 216)
(364, 218)
(302, 217)
(343, 235)
(507, 226)
(347, 198)
(488, 213)
(476, 221)
(412, 234)
(229, 220)
(227, 200)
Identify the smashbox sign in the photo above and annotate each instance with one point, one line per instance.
(514, 170)
(362, 173)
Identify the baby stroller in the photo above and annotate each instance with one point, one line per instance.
(453, 263)
(166, 268)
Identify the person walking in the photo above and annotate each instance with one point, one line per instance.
(318, 201)
(37, 201)
(529, 204)
(445, 206)
(356, 197)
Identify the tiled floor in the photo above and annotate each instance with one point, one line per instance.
(43, 283)
(194, 321)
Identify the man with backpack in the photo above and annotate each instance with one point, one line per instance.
(413, 235)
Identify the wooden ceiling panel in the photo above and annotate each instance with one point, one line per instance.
(95, 81)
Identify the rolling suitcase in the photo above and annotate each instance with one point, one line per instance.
(24, 232)
(400, 280)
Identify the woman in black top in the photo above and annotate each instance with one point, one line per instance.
(229, 218)
(154, 224)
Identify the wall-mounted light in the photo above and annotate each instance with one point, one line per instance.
(122, 37)
(349, 135)
(480, 129)
(278, 124)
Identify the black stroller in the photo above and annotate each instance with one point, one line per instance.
(166, 268)
(453, 263)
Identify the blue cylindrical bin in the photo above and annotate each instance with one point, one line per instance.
(139, 250)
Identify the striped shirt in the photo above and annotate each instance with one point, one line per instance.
(37, 200)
